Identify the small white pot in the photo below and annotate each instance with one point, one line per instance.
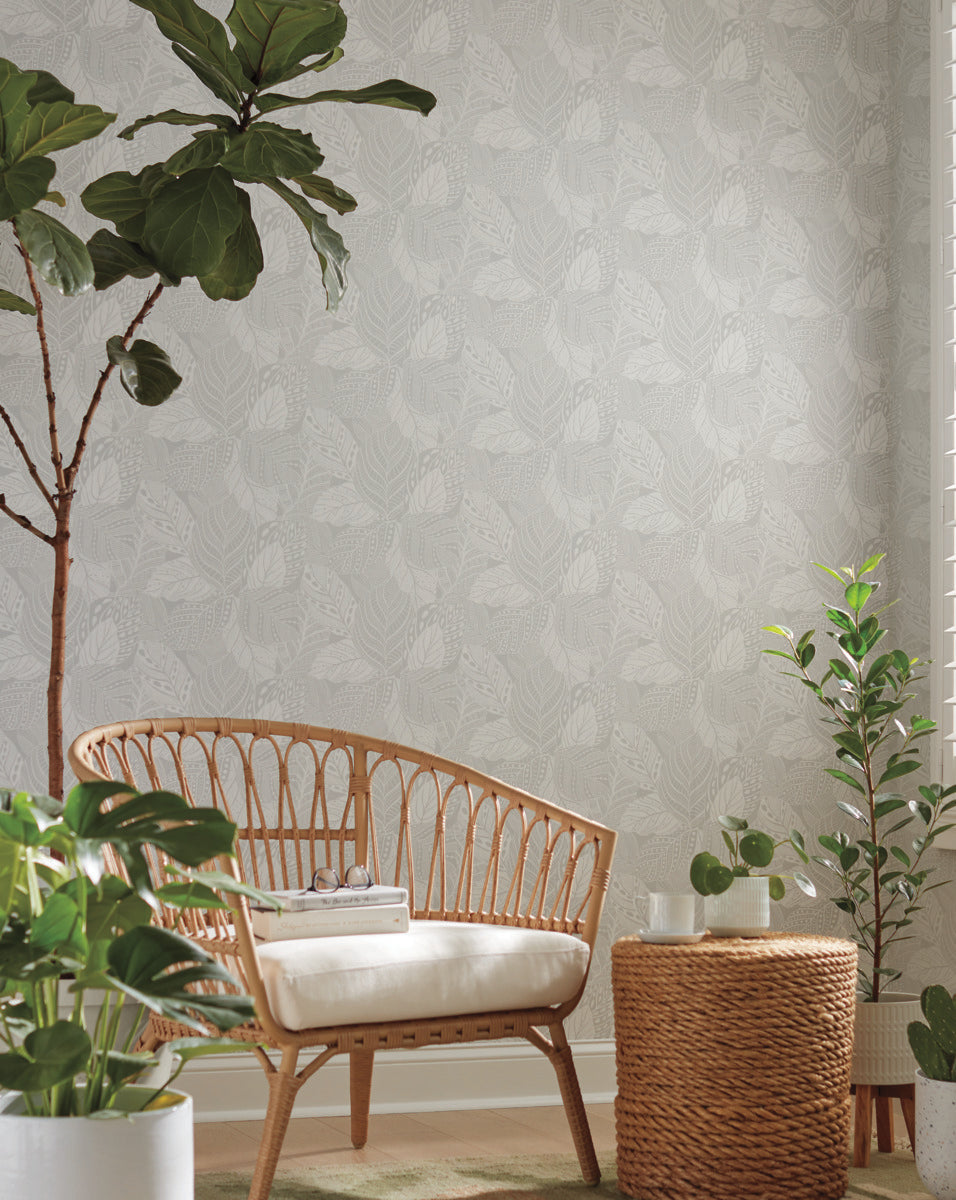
(146, 1155)
(881, 1049)
(742, 911)
(936, 1135)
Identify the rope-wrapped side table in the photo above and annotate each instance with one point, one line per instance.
(733, 1067)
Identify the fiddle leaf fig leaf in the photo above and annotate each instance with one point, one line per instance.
(48, 89)
(57, 253)
(184, 23)
(235, 275)
(172, 116)
(123, 199)
(23, 184)
(211, 77)
(327, 244)
(330, 194)
(273, 37)
(189, 220)
(392, 93)
(55, 126)
(114, 258)
(145, 371)
(206, 149)
(268, 151)
(13, 303)
(15, 87)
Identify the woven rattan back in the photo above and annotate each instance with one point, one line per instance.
(467, 846)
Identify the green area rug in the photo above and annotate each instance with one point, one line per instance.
(554, 1177)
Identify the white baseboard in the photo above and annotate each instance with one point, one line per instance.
(488, 1075)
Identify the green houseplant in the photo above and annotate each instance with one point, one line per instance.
(864, 691)
(749, 851)
(81, 963)
(191, 215)
(934, 1046)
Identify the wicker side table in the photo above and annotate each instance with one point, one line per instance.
(733, 1067)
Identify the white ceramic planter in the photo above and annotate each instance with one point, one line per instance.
(742, 911)
(881, 1049)
(146, 1155)
(936, 1135)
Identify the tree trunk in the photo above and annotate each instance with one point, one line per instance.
(54, 691)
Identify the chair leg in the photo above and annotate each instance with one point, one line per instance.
(360, 1093)
(577, 1115)
(283, 1086)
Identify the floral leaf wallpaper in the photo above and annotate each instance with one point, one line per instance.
(637, 328)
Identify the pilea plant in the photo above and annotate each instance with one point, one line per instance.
(934, 1044)
(190, 215)
(864, 691)
(749, 851)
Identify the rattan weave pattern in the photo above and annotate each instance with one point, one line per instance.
(733, 1067)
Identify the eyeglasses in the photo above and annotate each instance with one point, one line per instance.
(325, 879)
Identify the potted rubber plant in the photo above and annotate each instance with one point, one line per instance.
(737, 893)
(878, 860)
(189, 218)
(934, 1047)
(81, 964)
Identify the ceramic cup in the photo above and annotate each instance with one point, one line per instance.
(670, 912)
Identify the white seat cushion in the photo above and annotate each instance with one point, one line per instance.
(437, 969)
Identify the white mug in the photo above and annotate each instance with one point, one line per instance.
(671, 912)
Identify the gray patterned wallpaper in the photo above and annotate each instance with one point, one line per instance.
(638, 327)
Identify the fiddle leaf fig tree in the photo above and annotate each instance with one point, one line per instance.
(190, 216)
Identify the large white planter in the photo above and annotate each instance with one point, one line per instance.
(139, 1156)
(742, 911)
(881, 1049)
(936, 1135)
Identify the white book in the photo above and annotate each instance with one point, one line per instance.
(300, 899)
(271, 926)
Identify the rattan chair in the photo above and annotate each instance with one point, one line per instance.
(468, 848)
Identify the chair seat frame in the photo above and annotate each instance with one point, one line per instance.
(545, 867)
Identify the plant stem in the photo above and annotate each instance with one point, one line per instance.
(54, 694)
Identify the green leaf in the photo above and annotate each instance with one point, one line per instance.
(930, 1057)
(13, 303)
(172, 116)
(327, 244)
(901, 767)
(805, 884)
(114, 258)
(59, 927)
(50, 1056)
(719, 879)
(186, 24)
(50, 127)
(236, 274)
(901, 854)
(48, 89)
(122, 1067)
(847, 779)
(700, 865)
(268, 151)
(852, 811)
(872, 563)
(189, 894)
(777, 887)
(830, 571)
(15, 87)
(57, 253)
(123, 199)
(734, 824)
(190, 219)
(145, 370)
(780, 630)
(273, 37)
(393, 93)
(206, 149)
(143, 962)
(24, 184)
(210, 76)
(756, 848)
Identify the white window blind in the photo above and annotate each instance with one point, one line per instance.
(944, 384)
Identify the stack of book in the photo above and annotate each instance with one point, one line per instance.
(307, 914)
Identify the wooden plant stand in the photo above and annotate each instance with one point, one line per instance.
(868, 1095)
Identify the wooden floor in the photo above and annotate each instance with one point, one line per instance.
(232, 1145)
